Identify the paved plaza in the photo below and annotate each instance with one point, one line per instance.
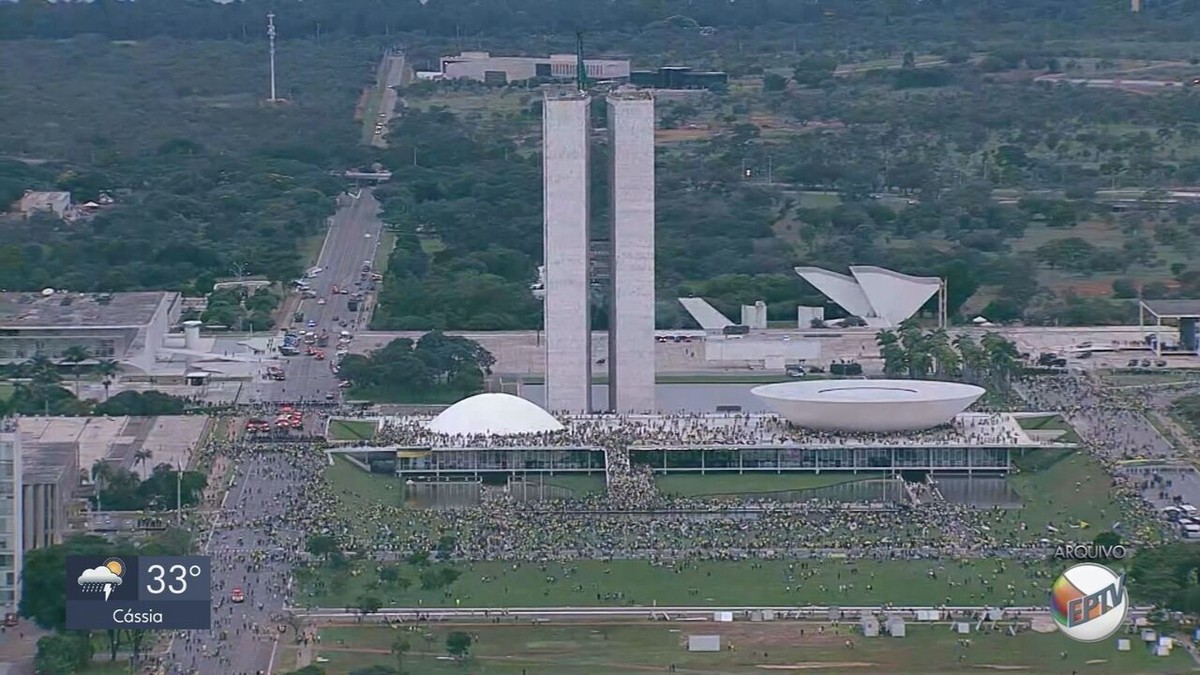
(523, 352)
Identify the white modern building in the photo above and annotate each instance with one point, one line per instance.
(566, 126)
(631, 306)
(493, 415)
(126, 327)
(881, 297)
(11, 549)
(483, 67)
(868, 405)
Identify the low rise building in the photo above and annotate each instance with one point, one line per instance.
(679, 77)
(483, 67)
(50, 474)
(126, 327)
(58, 203)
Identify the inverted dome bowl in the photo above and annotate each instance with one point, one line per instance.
(868, 405)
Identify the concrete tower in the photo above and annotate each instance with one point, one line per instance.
(631, 307)
(566, 126)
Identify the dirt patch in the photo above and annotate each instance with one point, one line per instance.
(1099, 288)
(819, 665)
(763, 636)
(361, 107)
(682, 135)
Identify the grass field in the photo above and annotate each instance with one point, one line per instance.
(696, 485)
(387, 242)
(1066, 490)
(351, 430)
(1050, 423)
(748, 648)
(621, 583)
(6, 391)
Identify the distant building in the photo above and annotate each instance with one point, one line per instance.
(11, 553)
(50, 472)
(483, 67)
(125, 327)
(679, 77)
(58, 203)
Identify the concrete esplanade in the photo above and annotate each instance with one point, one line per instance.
(876, 406)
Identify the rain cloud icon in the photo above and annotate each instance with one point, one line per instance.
(102, 578)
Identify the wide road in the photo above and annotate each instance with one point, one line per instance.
(243, 636)
(352, 239)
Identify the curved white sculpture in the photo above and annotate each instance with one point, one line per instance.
(868, 405)
(882, 297)
(493, 415)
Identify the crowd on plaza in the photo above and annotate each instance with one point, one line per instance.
(634, 520)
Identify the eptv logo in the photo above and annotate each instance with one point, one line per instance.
(1089, 602)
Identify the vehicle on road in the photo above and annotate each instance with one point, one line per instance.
(321, 301)
(311, 324)
(237, 595)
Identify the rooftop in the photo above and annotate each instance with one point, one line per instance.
(712, 431)
(78, 310)
(45, 462)
(1172, 309)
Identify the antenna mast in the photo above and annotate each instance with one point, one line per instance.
(581, 77)
(271, 40)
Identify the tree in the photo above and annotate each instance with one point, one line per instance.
(43, 595)
(774, 82)
(75, 355)
(141, 456)
(64, 653)
(321, 546)
(108, 370)
(895, 359)
(367, 604)
(458, 645)
(400, 647)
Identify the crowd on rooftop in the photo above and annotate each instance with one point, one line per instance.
(697, 430)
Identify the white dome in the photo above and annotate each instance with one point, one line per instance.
(495, 415)
(868, 405)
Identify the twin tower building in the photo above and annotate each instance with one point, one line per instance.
(566, 143)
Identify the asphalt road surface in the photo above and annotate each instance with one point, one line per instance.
(243, 636)
(352, 239)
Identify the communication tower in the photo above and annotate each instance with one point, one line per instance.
(271, 41)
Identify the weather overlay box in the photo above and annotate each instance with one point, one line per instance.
(139, 592)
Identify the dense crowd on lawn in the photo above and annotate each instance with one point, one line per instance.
(633, 520)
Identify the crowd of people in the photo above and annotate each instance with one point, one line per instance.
(634, 520)
(694, 430)
(284, 498)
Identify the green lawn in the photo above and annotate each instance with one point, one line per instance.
(6, 391)
(387, 242)
(351, 430)
(1050, 423)
(696, 485)
(756, 648)
(580, 484)
(640, 583)
(360, 490)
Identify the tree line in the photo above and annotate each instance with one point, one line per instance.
(435, 368)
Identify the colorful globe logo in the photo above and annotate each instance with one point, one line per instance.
(1089, 602)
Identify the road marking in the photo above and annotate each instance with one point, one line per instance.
(271, 663)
